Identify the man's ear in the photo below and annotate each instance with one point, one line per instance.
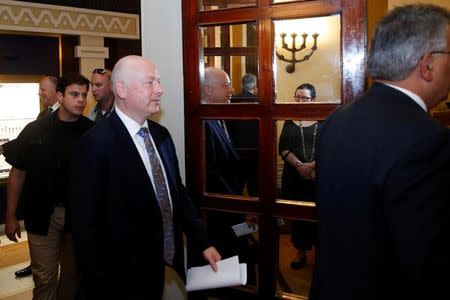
(60, 96)
(426, 67)
(121, 89)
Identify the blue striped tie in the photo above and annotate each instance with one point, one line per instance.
(162, 196)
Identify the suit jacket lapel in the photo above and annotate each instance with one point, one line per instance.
(124, 139)
(215, 126)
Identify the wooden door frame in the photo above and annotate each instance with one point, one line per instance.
(353, 41)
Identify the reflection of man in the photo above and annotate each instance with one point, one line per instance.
(383, 170)
(222, 175)
(48, 95)
(103, 94)
(126, 187)
(39, 177)
(245, 135)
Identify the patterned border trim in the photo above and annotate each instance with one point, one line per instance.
(35, 17)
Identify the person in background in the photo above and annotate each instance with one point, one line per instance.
(249, 93)
(297, 147)
(103, 94)
(126, 188)
(39, 177)
(245, 136)
(49, 98)
(48, 95)
(383, 170)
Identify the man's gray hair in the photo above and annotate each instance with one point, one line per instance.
(248, 82)
(403, 37)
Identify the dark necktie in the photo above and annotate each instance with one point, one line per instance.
(162, 196)
(50, 110)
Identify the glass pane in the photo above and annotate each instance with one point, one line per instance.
(236, 234)
(231, 157)
(223, 4)
(295, 171)
(308, 51)
(297, 243)
(232, 49)
(19, 105)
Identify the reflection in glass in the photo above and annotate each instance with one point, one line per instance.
(231, 48)
(242, 240)
(231, 156)
(220, 4)
(297, 243)
(322, 69)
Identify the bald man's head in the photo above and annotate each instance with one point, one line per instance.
(217, 86)
(136, 84)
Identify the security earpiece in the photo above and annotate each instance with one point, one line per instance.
(429, 67)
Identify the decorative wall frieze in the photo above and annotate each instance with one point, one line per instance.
(35, 17)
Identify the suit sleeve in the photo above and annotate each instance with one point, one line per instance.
(88, 206)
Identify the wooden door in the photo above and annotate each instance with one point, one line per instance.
(244, 36)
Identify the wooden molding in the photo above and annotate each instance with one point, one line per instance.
(35, 17)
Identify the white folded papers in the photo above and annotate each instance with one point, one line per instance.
(244, 229)
(230, 273)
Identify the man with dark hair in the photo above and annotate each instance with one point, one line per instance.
(383, 170)
(40, 178)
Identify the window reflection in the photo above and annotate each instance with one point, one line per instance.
(231, 156)
(231, 48)
(297, 244)
(323, 68)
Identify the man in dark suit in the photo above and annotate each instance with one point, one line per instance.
(383, 171)
(222, 161)
(129, 204)
(245, 135)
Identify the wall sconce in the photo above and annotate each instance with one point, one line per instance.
(291, 67)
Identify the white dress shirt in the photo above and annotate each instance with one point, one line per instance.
(133, 128)
(411, 95)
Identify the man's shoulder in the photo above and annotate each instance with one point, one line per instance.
(85, 121)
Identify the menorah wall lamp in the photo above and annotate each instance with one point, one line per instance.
(291, 67)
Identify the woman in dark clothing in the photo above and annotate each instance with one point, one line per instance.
(297, 148)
